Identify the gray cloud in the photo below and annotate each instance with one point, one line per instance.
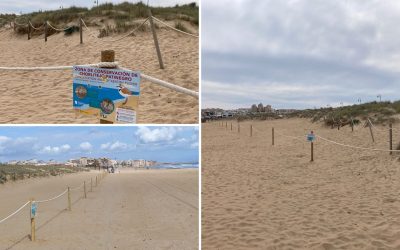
(299, 53)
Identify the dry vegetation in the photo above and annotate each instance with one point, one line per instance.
(108, 18)
(20, 172)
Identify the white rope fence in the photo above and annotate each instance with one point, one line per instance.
(54, 198)
(183, 32)
(57, 29)
(109, 65)
(50, 199)
(14, 213)
(36, 28)
(356, 147)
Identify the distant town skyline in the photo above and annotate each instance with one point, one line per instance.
(299, 54)
(27, 6)
(158, 143)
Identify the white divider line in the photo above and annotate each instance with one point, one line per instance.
(356, 147)
(55, 197)
(14, 213)
(183, 32)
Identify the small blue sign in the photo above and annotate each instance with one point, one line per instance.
(311, 137)
(33, 209)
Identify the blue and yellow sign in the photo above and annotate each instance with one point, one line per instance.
(102, 92)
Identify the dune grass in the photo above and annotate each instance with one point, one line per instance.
(20, 172)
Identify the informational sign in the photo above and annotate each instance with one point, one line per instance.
(109, 94)
(33, 209)
(311, 137)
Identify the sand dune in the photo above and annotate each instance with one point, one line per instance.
(132, 210)
(46, 97)
(258, 196)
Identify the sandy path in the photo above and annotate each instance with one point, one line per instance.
(46, 97)
(256, 196)
(134, 210)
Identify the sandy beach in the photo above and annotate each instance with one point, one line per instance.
(145, 209)
(46, 96)
(259, 196)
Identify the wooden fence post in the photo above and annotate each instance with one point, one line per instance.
(153, 30)
(84, 189)
(69, 199)
(273, 136)
(238, 127)
(96, 181)
(29, 30)
(80, 30)
(390, 138)
(231, 126)
(33, 223)
(312, 151)
(45, 31)
(251, 130)
(107, 56)
(370, 130)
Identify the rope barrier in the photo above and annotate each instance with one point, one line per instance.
(110, 65)
(57, 29)
(171, 86)
(101, 64)
(76, 188)
(357, 147)
(55, 197)
(14, 213)
(33, 27)
(118, 39)
(183, 32)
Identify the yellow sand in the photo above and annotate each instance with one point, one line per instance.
(128, 210)
(46, 97)
(259, 196)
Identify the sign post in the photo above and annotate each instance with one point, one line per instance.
(33, 215)
(311, 138)
(112, 95)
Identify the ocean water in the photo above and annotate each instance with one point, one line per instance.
(176, 166)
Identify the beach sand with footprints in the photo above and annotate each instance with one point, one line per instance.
(144, 209)
(46, 96)
(259, 196)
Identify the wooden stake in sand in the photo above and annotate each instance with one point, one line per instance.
(312, 151)
(370, 130)
(91, 184)
(231, 126)
(45, 31)
(153, 30)
(352, 124)
(69, 199)
(80, 30)
(107, 56)
(33, 224)
(84, 189)
(251, 130)
(390, 138)
(238, 127)
(29, 30)
(96, 182)
(273, 136)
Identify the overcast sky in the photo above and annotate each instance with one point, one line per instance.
(299, 53)
(163, 144)
(26, 6)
